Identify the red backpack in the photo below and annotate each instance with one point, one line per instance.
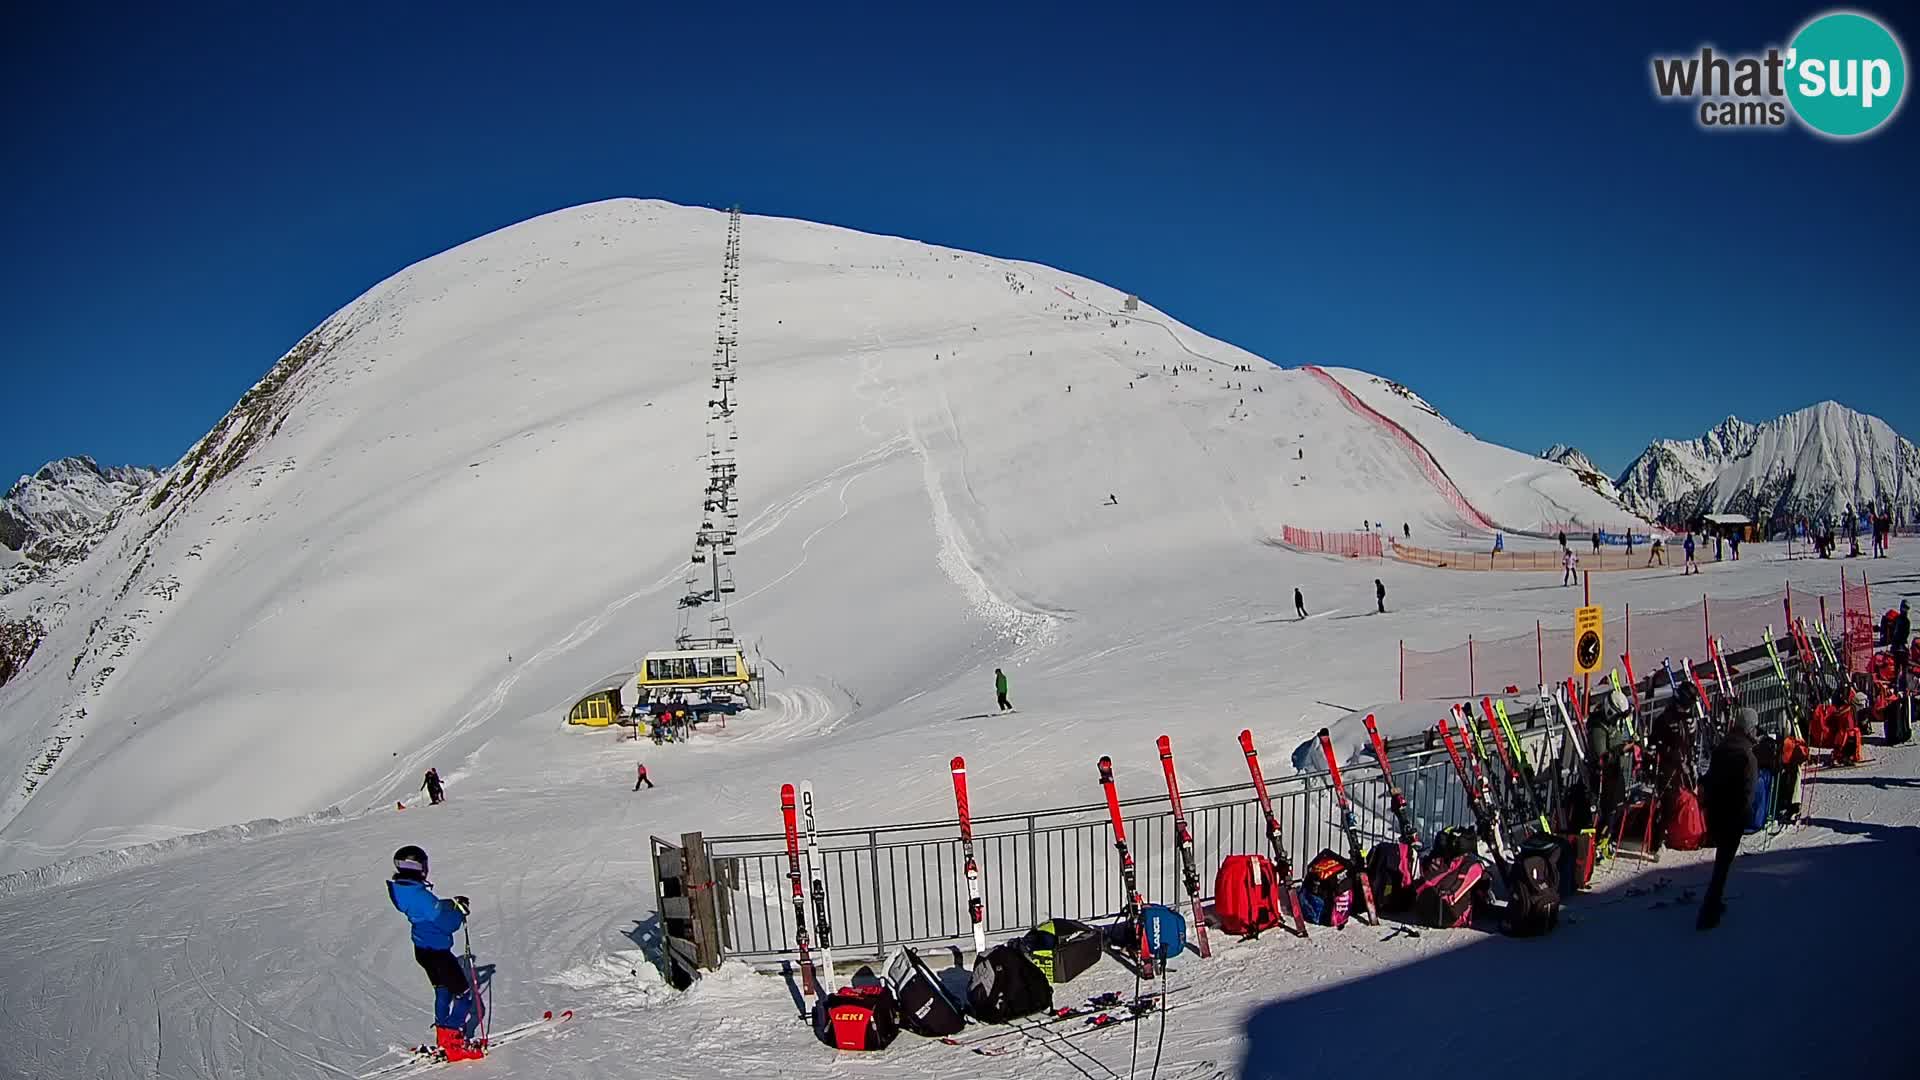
(1246, 895)
(859, 1018)
(1686, 824)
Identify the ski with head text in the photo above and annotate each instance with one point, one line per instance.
(1282, 862)
(1183, 835)
(817, 889)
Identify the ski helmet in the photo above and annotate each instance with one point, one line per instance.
(411, 858)
(1618, 699)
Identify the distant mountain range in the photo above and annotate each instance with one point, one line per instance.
(1816, 462)
(47, 516)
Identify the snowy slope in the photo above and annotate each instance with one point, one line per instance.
(498, 453)
(1518, 492)
(1815, 462)
(64, 497)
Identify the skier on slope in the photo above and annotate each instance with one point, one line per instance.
(1299, 604)
(1729, 806)
(641, 777)
(431, 785)
(434, 921)
(1379, 596)
(1000, 690)
(1569, 566)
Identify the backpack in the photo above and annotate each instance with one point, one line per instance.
(1246, 895)
(1900, 720)
(1395, 871)
(858, 1018)
(1533, 901)
(1062, 948)
(1453, 842)
(1578, 851)
(1447, 897)
(1326, 890)
(1166, 931)
(1764, 781)
(1686, 824)
(924, 1006)
(1006, 986)
(1849, 751)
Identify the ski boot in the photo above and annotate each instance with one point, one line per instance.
(455, 1046)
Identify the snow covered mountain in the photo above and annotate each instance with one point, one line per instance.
(1815, 462)
(64, 498)
(1584, 468)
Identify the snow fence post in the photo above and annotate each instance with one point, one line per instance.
(1540, 651)
(1470, 688)
(1403, 669)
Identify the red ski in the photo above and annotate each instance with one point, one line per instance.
(976, 907)
(1183, 834)
(1282, 862)
(789, 807)
(1355, 852)
(1402, 814)
(1129, 884)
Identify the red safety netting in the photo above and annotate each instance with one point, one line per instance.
(1428, 466)
(1356, 545)
(1857, 620)
(1545, 655)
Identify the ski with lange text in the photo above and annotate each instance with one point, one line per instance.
(1130, 885)
(1183, 834)
(1282, 862)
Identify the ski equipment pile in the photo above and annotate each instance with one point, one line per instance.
(1183, 834)
(976, 908)
(1485, 815)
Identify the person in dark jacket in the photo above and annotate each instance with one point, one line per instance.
(435, 793)
(1299, 604)
(1897, 635)
(1729, 806)
(1672, 745)
(1380, 596)
(1000, 690)
(434, 921)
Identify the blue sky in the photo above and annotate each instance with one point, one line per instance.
(1487, 205)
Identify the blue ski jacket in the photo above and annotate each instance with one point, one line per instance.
(434, 920)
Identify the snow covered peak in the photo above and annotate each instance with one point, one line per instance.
(1814, 462)
(66, 497)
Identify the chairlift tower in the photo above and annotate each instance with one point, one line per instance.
(709, 580)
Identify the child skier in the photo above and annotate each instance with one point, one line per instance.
(641, 777)
(434, 921)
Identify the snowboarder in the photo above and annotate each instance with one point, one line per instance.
(1689, 567)
(431, 785)
(1299, 604)
(1379, 596)
(1569, 566)
(1729, 806)
(434, 921)
(640, 777)
(1000, 690)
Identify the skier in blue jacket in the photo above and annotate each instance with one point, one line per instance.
(434, 920)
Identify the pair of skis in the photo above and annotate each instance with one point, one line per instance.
(816, 982)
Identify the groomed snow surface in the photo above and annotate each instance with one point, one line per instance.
(478, 505)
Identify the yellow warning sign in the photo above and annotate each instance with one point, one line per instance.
(1589, 639)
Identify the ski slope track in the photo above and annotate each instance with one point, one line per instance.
(465, 500)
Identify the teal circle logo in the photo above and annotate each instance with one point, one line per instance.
(1846, 74)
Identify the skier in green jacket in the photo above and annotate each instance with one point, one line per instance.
(1000, 689)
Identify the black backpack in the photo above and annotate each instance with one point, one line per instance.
(1395, 872)
(1062, 948)
(1006, 986)
(1533, 893)
(925, 1006)
(858, 1018)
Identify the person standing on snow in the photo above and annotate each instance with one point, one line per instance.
(1000, 690)
(1897, 635)
(1729, 806)
(1379, 596)
(641, 777)
(434, 921)
(1299, 603)
(1406, 530)
(1690, 567)
(431, 785)
(1569, 564)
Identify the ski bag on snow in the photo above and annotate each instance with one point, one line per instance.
(1450, 892)
(1395, 872)
(1326, 890)
(924, 1006)
(1006, 986)
(1062, 948)
(1246, 895)
(859, 1018)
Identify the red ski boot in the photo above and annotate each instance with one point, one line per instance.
(455, 1046)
